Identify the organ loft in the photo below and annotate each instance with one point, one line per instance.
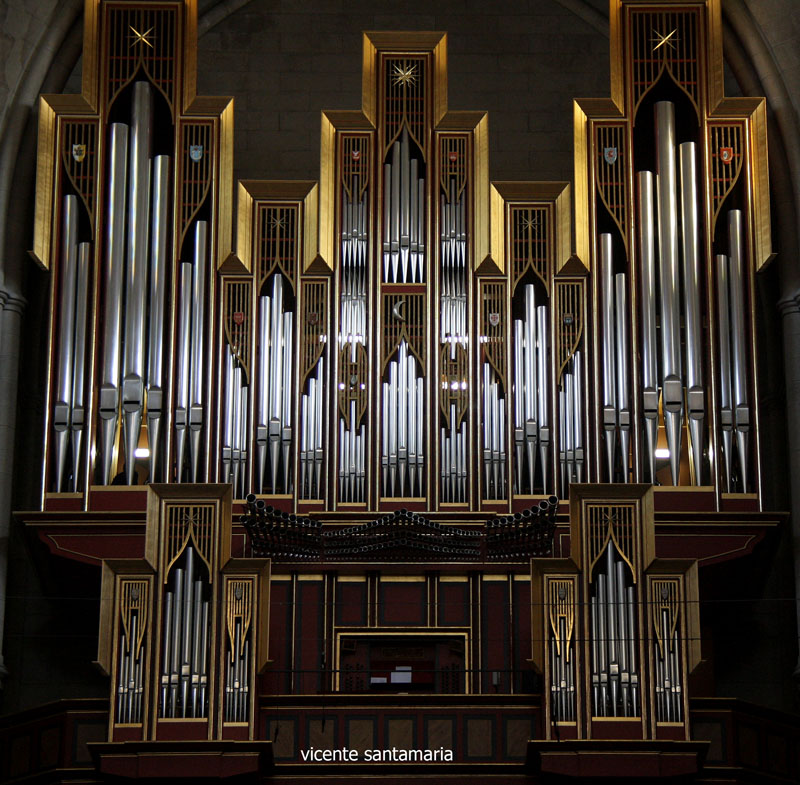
(406, 461)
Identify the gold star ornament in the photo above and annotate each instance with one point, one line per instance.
(140, 38)
(664, 40)
(405, 74)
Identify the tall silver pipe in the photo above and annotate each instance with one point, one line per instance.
(543, 395)
(78, 418)
(228, 420)
(183, 361)
(609, 355)
(113, 279)
(318, 429)
(531, 384)
(695, 396)
(646, 238)
(612, 628)
(741, 408)
(288, 400)
(186, 631)
(395, 209)
(175, 641)
(165, 662)
(630, 605)
(519, 404)
(725, 386)
(264, 316)
(602, 613)
(159, 264)
(669, 281)
(198, 378)
(577, 428)
(66, 334)
(275, 371)
(624, 638)
(623, 388)
(136, 271)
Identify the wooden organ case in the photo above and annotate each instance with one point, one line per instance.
(376, 478)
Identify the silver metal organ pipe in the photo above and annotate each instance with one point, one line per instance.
(405, 201)
(158, 287)
(577, 373)
(136, 271)
(183, 363)
(264, 306)
(387, 220)
(741, 409)
(519, 403)
(78, 419)
(672, 385)
(228, 416)
(198, 377)
(395, 208)
(112, 318)
(543, 396)
(64, 387)
(613, 640)
(623, 388)
(569, 422)
(288, 401)
(691, 306)
(531, 385)
(609, 357)
(647, 266)
(275, 370)
(725, 387)
(318, 429)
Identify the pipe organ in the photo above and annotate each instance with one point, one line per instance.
(477, 362)
(403, 365)
(615, 630)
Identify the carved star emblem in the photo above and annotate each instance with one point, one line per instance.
(664, 40)
(531, 222)
(140, 38)
(405, 74)
(278, 222)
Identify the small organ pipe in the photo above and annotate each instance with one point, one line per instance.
(613, 647)
(725, 386)
(62, 411)
(136, 271)
(198, 376)
(113, 281)
(543, 396)
(158, 286)
(183, 361)
(741, 409)
(609, 357)
(691, 307)
(646, 239)
(78, 417)
(623, 388)
(672, 385)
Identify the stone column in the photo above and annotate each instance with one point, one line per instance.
(11, 308)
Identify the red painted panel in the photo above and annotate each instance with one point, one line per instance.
(309, 616)
(174, 730)
(496, 648)
(403, 604)
(351, 604)
(276, 677)
(454, 604)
